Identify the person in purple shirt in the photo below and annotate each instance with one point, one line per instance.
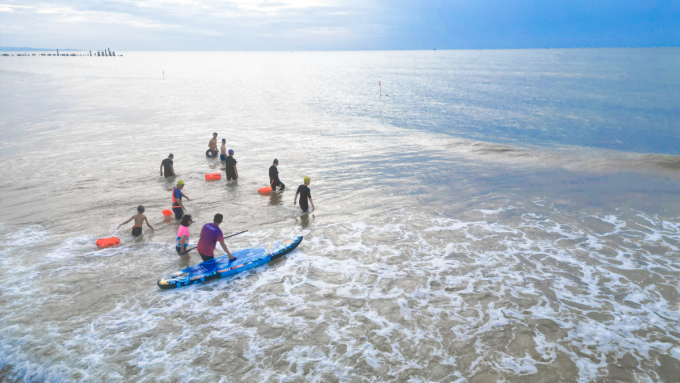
(210, 235)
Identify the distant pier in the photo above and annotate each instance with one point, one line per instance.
(103, 53)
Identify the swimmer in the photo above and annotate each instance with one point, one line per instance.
(177, 205)
(232, 173)
(139, 218)
(183, 235)
(212, 144)
(274, 180)
(223, 150)
(305, 193)
(167, 164)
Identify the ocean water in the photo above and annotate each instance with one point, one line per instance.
(482, 216)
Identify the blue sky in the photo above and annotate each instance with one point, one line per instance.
(337, 24)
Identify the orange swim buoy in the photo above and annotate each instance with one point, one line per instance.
(265, 190)
(167, 212)
(108, 242)
(213, 176)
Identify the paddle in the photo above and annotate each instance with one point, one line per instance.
(241, 232)
(229, 236)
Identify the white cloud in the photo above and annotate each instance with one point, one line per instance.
(67, 14)
(193, 24)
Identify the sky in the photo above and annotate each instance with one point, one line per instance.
(337, 24)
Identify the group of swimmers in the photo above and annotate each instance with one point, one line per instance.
(211, 234)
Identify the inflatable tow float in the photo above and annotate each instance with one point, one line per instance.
(108, 242)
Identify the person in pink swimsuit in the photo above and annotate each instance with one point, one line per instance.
(183, 235)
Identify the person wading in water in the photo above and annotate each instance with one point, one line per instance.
(305, 193)
(210, 235)
(177, 205)
(223, 150)
(232, 173)
(167, 167)
(274, 180)
(139, 218)
(212, 144)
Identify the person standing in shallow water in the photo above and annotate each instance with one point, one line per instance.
(274, 180)
(232, 173)
(223, 150)
(139, 218)
(210, 235)
(183, 235)
(177, 205)
(305, 193)
(212, 144)
(167, 167)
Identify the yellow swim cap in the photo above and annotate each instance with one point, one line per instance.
(180, 183)
(306, 179)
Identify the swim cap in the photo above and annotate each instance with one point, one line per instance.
(276, 161)
(231, 152)
(170, 155)
(306, 180)
(224, 140)
(140, 208)
(180, 183)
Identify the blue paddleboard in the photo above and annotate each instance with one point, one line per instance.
(221, 267)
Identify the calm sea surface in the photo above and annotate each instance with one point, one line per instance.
(492, 216)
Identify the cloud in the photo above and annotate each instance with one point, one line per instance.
(65, 14)
(335, 24)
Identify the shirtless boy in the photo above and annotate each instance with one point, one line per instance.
(139, 218)
(223, 150)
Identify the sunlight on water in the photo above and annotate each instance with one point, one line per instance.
(464, 231)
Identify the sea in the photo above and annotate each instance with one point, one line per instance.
(480, 216)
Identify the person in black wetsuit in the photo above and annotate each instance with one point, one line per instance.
(167, 168)
(232, 173)
(274, 180)
(305, 193)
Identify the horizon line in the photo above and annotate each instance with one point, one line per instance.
(13, 49)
